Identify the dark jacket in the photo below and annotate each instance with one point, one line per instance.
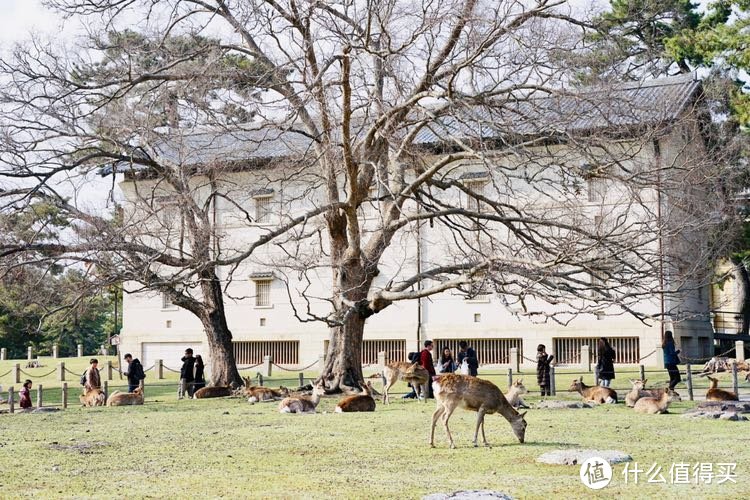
(135, 372)
(25, 400)
(186, 372)
(425, 359)
(543, 361)
(199, 376)
(447, 365)
(471, 358)
(670, 354)
(605, 365)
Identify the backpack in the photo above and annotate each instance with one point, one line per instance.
(83, 378)
(414, 357)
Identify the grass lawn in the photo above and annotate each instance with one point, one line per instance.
(229, 448)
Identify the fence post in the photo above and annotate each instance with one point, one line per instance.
(29, 353)
(301, 379)
(3, 354)
(689, 381)
(39, 396)
(734, 378)
(11, 400)
(65, 395)
(106, 390)
(552, 390)
(159, 368)
(54, 351)
(79, 351)
(322, 363)
(739, 350)
(585, 358)
(642, 370)
(260, 379)
(267, 360)
(109, 370)
(659, 357)
(17, 369)
(510, 377)
(61, 371)
(382, 360)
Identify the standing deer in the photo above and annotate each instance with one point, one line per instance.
(482, 396)
(303, 404)
(599, 395)
(716, 394)
(411, 373)
(360, 402)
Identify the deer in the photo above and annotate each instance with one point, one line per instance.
(360, 402)
(94, 397)
(716, 394)
(653, 405)
(118, 398)
(482, 396)
(259, 394)
(599, 395)
(411, 373)
(303, 404)
(514, 393)
(212, 392)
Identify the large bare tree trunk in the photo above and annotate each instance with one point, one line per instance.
(223, 365)
(343, 368)
(743, 295)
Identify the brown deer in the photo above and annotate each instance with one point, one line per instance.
(411, 373)
(303, 404)
(118, 398)
(654, 405)
(639, 391)
(212, 392)
(257, 394)
(716, 394)
(514, 394)
(599, 395)
(360, 402)
(482, 396)
(94, 397)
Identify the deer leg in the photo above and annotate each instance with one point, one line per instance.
(435, 416)
(480, 422)
(484, 438)
(446, 416)
(389, 383)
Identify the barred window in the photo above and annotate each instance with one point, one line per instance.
(166, 302)
(479, 187)
(263, 209)
(597, 189)
(262, 293)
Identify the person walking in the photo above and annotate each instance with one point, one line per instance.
(25, 395)
(671, 359)
(446, 363)
(200, 378)
(425, 359)
(605, 364)
(543, 361)
(187, 375)
(470, 355)
(134, 372)
(93, 380)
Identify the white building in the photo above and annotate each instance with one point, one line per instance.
(262, 320)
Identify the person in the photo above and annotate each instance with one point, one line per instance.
(200, 379)
(671, 359)
(186, 375)
(446, 364)
(425, 359)
(25, 395)
(470, 355)
(93, 380)
(543, 361)
(605, 364)
(134, 372)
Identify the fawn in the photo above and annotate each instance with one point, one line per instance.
(716, 394)
(303, 404)
(594, 393)
(360, 402)
(514, 394)
(654, 405)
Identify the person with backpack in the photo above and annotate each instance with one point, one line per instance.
(187, 375)
(134, 372)
(468, 354)
(605, 364)
(90, 378)
(414, 358)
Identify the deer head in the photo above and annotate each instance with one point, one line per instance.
(284, 391)
(714, 382)
(575, 386)
(638, 384)
(518, 424)
(673, 396)
(520, 388)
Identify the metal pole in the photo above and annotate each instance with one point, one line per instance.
(39, 396)
(65, 395)
(510, 377)
(689, 381)
(642, 370)
(735, 385)
(552, 390)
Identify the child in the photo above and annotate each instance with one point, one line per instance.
(25, 395)
(542, 369)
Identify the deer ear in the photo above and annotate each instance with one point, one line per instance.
(580, 379)
(644, 381)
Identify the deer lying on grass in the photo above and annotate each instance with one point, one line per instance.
(654, 405)
(482, 396)
(257, 394)
(716, 394)
(514, 394)
(361, 402)
(639, 391)
(411, 373)
(118, 398)
(94, 397)
(212, 392)
(303, 404)
(599, 395)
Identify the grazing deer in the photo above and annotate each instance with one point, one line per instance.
(514, 394)
(118, 398)
(257, 394)
(94, 397)
(653, 405)
(361, 402)
(212, 392)
(482, 396)
(716, 394)
(411, 373)
(599, 395)
(303, 404)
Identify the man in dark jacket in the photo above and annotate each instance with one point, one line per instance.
(134, 372)
(468, 353)
(425, 359)
(187, 376)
